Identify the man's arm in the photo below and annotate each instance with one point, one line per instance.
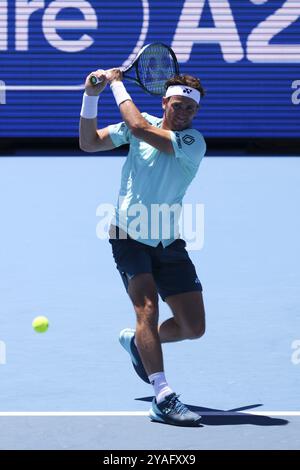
(139, 127)
(91, 139)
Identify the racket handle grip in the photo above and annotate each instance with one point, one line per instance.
(95, 80)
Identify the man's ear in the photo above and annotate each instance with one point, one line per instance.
(197, 110)
(164, 102)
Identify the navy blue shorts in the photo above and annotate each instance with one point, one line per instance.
(171, 267)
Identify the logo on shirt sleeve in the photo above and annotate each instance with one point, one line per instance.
(178, 140)
(188, 139)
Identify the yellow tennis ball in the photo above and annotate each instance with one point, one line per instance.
(40, 324)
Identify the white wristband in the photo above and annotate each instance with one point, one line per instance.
(119, 92)
(89, 109)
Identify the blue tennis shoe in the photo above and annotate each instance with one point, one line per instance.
(126, 339)
(173, 411)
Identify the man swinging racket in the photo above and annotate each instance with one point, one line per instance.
(164, 156)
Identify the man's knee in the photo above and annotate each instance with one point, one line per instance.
(195, 331)
(147, 312)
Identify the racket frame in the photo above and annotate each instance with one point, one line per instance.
(134, 65)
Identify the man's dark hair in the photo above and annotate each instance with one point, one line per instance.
(187, 80)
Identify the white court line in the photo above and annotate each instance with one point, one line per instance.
(139, 413)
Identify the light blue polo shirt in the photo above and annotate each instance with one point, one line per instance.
(153, 183)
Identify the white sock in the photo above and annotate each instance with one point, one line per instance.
(161, 387)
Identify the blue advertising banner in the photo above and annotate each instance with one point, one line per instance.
(246, 53)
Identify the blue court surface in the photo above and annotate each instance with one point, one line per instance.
(73, 387)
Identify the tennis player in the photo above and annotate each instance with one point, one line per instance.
(164, 156)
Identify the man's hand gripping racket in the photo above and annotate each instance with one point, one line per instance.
(95, 90)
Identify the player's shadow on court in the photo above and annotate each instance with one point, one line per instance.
(236, 416)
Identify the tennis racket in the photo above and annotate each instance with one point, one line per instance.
(153, 66)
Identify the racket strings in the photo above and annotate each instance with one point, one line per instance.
(155, 67)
